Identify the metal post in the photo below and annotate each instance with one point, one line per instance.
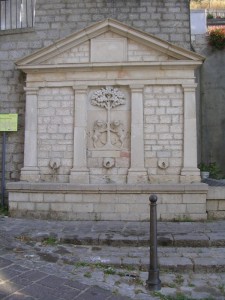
(153, 282)
(3, 169)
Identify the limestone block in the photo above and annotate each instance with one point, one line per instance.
(53, 197)
(174, 110)
(48, 111)
(94, 198)
(216, 192)
(122, 208)
(195, 198)
(178, 128)
(79, 176)
(163, 154)
(190, 178)
(216, 214)
(122, 171)
(164, 178)
(151, 103)
(13, 205)
(170, 199)
(67, 207)
(152, 119)
(108, 50)
(165, 119)
(139, 207)
(19, 197)
(149, 111)
(164, 102)
(42, 207)
(26, 206)
(74, 198)
(122, 162)
(196, 208)
(83, 207)
(160, 111)
(133, 217)
(33, 197)
(137, 176)
(221, 205)
(152, 171)
(212, 205)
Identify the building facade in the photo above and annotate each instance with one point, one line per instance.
(108, 104)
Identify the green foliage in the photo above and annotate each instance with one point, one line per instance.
(217, 38)
(212, 168)
(209, 16)
(87, 274)
(50, 241)
(4, 210)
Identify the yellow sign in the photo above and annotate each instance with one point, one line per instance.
(8, 122)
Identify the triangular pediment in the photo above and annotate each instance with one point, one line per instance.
(108, 41)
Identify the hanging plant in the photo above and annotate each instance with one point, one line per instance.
(217, 37)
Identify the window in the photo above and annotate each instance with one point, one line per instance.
(16, 14)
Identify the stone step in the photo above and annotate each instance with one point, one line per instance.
(117, 233)
(166, 240)
(178, 259)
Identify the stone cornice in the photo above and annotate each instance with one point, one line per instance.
(110, 66)
(107, 188)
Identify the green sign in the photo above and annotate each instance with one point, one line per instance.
(8, 122)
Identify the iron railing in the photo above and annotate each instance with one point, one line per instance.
(15, 14)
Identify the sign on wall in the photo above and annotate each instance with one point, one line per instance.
(8, 122)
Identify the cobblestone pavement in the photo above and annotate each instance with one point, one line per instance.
(109, 260)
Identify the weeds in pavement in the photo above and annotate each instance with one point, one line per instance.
(221, 287)
(179, 279)
(138, 291)
(109, 271)
(87, 274)
(4, 210)
(80, 264)
(178, 296)
(51, 241)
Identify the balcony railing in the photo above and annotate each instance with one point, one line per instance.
(15, 14)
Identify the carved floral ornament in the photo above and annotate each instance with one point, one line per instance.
(108, 98)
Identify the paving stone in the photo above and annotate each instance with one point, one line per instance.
(95, 293)
(28, 272)
(4, 262)
(33, 275)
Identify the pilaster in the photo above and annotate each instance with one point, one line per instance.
(190, 172)
(30, 171)
(80, 173)
(137, 172)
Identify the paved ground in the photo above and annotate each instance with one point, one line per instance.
(109, 260)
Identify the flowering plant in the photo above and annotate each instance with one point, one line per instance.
(217, 37)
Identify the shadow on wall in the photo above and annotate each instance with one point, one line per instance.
(213, 108)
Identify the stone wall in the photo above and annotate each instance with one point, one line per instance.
(55, 19)
(107, 202)
(163, 132)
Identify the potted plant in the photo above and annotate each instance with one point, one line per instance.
(211, 169)
(204, 169)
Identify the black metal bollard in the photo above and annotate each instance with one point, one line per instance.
(153, 283)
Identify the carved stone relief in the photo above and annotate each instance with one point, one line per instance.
(109, 134)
